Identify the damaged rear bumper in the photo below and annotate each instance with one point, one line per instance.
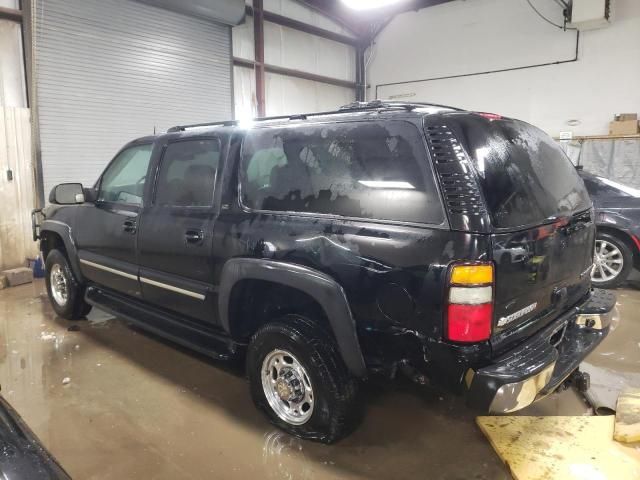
(537, 367)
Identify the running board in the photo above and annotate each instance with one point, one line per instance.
(208, 341)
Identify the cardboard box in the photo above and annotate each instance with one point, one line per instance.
(624, 127)
(621, 117)
(18, 276)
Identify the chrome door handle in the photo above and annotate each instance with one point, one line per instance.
(130, 226)
(194, 236)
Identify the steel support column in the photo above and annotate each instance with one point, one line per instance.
(258, 35)
(360, 74)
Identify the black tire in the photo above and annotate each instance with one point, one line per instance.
(335, 410)
(74, 308)
(626, 257)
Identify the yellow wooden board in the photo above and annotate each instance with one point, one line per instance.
(627, 427)
(561, 448)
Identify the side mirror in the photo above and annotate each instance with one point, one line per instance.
(67, 194)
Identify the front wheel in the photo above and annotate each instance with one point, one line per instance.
(612, 261)
(64, 290)
(299, 380)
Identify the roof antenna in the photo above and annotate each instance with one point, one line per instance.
(154, 129)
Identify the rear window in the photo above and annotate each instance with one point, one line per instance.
(373, 170)
(525, 176)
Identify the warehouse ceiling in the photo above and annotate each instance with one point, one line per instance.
(366, 23)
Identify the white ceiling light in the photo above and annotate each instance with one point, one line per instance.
(369, 4)
(386, 184)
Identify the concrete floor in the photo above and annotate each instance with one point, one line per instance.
(139, 407)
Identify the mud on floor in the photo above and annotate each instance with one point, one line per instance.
(112, 402)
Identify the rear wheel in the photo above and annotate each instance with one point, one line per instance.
(299, 380)
(64, 290)
(612, 261)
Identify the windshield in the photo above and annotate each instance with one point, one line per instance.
(525, 176)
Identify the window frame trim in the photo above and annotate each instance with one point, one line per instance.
(444, 225)
(154, 191)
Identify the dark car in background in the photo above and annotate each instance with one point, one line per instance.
(22, 455)
(617, 249)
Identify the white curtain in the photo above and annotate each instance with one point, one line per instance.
(617, 159)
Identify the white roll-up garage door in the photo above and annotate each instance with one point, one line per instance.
(108, 71)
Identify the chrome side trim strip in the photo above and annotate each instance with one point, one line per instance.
(188, 293)
(109, 269)
(148, 281)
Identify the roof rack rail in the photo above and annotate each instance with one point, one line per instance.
(182, 128)
(351, 107)
(374, 104)
(232, 123)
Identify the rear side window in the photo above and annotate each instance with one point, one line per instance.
(525, 176)
(188, 173)
(375, 170)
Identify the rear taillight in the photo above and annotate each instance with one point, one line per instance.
(470, 303)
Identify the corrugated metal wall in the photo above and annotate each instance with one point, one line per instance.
(108, 71)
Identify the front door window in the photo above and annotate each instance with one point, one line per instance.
(123, 181)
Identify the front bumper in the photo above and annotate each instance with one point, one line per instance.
(537, 367)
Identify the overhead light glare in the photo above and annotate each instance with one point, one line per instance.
(386, 184)
(370, 4)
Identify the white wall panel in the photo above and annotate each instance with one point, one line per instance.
(13, 92)
(289, 48)
(243, 45)
(288, 95)
(244, 91)
(17, 196)
(470, 36)
(479, 35)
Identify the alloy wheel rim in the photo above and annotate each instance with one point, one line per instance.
(607, 262)
(59, 288)
(287, 387)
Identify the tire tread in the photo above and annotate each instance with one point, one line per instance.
(327, 367)
(76, 307)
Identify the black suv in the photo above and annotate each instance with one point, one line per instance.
(384, 237)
